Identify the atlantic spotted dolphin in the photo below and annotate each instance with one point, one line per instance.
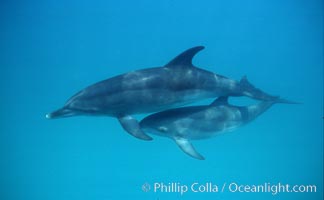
(201, 122)
(154, 89)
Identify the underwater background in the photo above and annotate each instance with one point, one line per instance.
(52, 49)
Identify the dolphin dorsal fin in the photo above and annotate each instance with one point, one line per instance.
(223, 100)
(185, 58)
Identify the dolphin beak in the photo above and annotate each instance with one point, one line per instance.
(60, 113)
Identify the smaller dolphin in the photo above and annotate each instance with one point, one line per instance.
(201, 122)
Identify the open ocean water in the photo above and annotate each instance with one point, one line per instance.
(52, 49)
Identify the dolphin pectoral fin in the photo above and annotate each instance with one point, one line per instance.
(187, 147)
(132, 127)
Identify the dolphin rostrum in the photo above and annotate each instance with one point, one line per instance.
(201, 122)
(154, 89)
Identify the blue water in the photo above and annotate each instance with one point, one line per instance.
(52, 49)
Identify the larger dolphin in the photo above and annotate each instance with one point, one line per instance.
(154, 89)
(201, 122)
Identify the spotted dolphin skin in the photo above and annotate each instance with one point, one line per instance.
(154, 89)
(201, 122)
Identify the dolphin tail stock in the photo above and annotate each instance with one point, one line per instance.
(60, 113)
(247, 89)
(188, 148)
(131, 126)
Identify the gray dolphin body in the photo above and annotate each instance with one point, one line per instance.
(154, 89)
(201, 122)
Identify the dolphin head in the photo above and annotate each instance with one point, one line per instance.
(156, 125)
(173, 123)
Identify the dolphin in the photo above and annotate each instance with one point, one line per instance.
(202, 122)
(149, 90)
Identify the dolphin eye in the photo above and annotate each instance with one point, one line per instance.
(163, 129)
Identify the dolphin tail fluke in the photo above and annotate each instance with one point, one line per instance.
(247, 89)
(187, 147)
(285, 101)
(132, 127)
(60, 113)
(250, 90)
